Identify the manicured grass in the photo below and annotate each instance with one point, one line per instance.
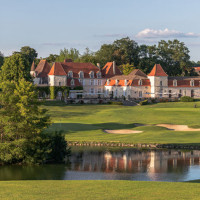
(87, 122)
(86, 190)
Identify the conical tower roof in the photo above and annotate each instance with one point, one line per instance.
(157, 71)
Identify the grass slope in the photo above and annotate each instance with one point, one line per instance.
(73, 190)
(87, 122)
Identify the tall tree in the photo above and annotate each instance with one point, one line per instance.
(126, 51)
(126, 68)
(105, 54)
(174, 57)
(51, 58)
(29, 53)
(22, 116)
(68, 54)
(15, 67)
(88, 57)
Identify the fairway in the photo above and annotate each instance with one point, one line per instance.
(117, 190)
(88, 122)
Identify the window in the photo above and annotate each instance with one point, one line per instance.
(174, 83)
(192, 93)
(192, 83)
(140, 82)
(140, 94)
(72, 82)
(92, 82)
(125, 82)
(170, 93)
(59, 83)
(99, 82)
(81, 74)
(92, 90)
(160, 83)
(108, 82)
(99, 90)
(116, 82)
(81, 81)
(70, 74)
(98, 74)
(91, 74)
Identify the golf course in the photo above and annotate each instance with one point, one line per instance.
(88, 122)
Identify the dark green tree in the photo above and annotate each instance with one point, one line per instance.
(1, 59)
(51, 58)
(29, 53)
(126, 51)
(88, 57)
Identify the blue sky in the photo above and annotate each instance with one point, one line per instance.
(51, 25)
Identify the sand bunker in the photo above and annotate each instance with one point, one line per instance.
(178, 127)
(122, 131)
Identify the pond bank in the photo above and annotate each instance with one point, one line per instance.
(138, 145)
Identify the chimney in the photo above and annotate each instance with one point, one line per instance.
(98, 65)
(114, 67)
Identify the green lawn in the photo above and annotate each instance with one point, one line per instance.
(105, 190)
(87, 122)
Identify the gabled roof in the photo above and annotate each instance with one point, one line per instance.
(157, 71)
(86, 68)
(135, 74)
(43, 69)
(33, 66)
(107, 70)
(57, 70)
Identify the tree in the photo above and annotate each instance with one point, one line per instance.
(15, 67)
(1, 59)
(29, 53)
(125, 51)
(105, 54)
(88, 57)
(174, 57)
(126, 68)
(22, 116)
(68, 54)
(51, 58)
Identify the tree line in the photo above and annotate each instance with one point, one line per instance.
(173, 55)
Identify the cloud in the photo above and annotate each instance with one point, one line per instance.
(166, 33)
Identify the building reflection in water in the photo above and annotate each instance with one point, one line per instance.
(135, 161)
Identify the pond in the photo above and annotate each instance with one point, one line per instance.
(114, 164)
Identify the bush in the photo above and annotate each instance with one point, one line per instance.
(186, 99)
(115, 103)
(145, 102)
(38, 150)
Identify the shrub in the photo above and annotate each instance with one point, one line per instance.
(38, 150)
(186, 99)
(145, 102)
(115, 103)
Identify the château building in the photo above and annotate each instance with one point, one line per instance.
(85, 80)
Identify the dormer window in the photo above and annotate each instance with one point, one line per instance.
(70, 74)
(116, 82)
(140, 82)
(72, 82)
(160, 83)
(81, 74)
(91, 74)
(192, 83)
(108, 82)
(175, 83)
(125, 82)
(98, 74)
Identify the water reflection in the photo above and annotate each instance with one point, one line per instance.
(114, 164)
(134, 164)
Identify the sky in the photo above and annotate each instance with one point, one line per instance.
(51, 25)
